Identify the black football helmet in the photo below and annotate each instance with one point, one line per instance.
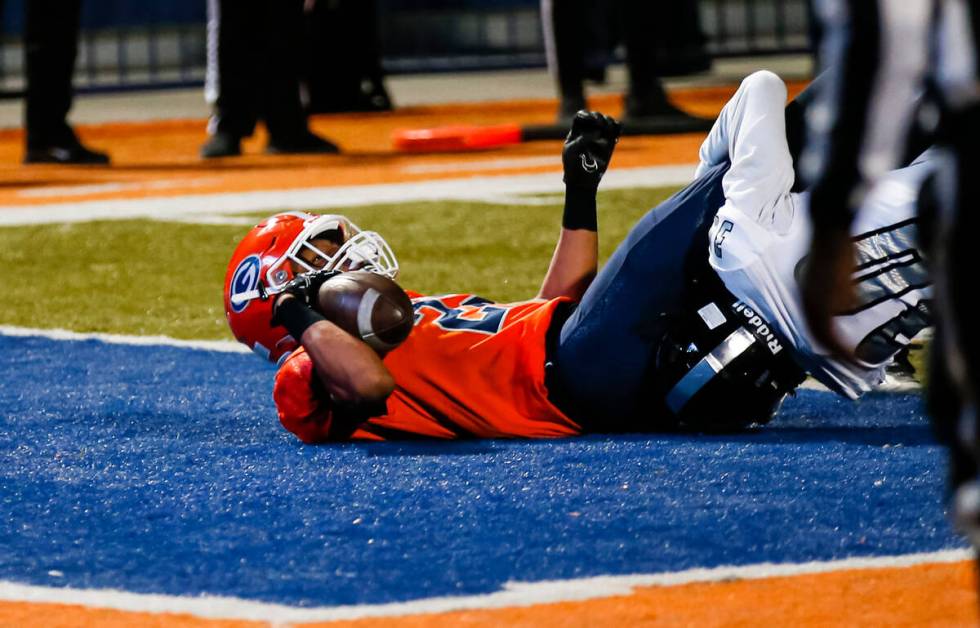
(721, 368)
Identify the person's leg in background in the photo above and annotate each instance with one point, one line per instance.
(341, 61)
(368, 38)
(601, 41)
(50, 46)
(565, 34)
(646, 56)
(234, 55)
(279, 73)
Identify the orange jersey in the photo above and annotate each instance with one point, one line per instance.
(470, 368)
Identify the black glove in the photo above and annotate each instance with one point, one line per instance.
(588, 149)
(300, 312)
(305, 287)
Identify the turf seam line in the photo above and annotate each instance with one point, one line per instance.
(513, 594)
(223, 346)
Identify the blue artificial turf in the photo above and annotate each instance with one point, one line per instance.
(164, 470)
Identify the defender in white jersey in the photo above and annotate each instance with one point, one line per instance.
(695, 321)
(759, 240)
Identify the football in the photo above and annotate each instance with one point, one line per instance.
(369, 306)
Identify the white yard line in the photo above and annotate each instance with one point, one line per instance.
(102, 188)
(513, 594)
(223, 346)
(186, 207)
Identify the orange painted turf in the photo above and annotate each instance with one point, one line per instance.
(928, 595)
(925, 595)
(160, 159)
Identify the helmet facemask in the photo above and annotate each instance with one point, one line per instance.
(359, 250)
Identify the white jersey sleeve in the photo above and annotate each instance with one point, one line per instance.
(750, 132)
(760, 238)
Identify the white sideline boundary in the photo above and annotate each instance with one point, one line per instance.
(513, 594)
(223, 346)
(467, 188)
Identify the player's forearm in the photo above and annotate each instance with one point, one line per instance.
(349, 369)
(585, 157)
(576, 257)
(573, 265)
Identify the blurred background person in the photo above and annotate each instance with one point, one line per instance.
(903, 73)
(661, 39)
(50, 48)
(343, 69)
(253, 73)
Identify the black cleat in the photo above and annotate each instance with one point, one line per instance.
(661, 117)
(221, 145)
(72, 153)
(304, 143)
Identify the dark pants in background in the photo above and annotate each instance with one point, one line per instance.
(50, 48)
(342, 63)
(661, 39)
(50, 45)
(254, 61)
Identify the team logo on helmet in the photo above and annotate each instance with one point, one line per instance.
(244, 283)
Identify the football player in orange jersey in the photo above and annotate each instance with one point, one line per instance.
(470, 368)
(581, 356)
(654, 341)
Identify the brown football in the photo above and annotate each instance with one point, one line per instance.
(369, 306)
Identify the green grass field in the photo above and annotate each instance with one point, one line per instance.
(151, 277)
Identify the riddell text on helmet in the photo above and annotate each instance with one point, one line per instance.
(759, 327)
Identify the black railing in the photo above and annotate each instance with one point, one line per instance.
(134, 44)
(755, 27)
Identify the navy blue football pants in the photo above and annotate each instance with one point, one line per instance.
(606, 347)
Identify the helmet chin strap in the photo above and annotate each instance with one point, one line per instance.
(258, 293)
(242, 297)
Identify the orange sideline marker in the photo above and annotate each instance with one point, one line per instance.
(456, 138)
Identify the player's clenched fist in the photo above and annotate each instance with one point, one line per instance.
(588, 148)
